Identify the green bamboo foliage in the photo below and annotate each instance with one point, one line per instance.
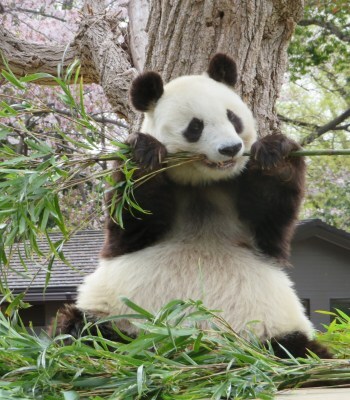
(30, 184)
(175, 357)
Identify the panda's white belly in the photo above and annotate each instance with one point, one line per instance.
(205, 261)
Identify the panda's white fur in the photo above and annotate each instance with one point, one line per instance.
(216, 261)
(206, 265)
(187, 97)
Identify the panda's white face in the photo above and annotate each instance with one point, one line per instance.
(199, 115)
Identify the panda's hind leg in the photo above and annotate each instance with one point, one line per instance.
(70, 320)
(298, 345)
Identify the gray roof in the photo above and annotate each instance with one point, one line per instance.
(321, 230)
(81, 251)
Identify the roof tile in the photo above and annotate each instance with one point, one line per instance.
(81, 251)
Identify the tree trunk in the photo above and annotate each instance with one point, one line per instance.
(183, 35)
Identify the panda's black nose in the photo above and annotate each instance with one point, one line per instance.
(230, 151)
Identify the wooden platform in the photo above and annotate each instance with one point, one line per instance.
(315, 394)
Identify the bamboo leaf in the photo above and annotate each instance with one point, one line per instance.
(9, 76)
(71, 395)
(139, 378)
(35, 77)
(137, 308)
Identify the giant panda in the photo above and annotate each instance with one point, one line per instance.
(218, 229)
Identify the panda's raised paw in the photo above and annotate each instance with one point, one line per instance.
(147, 151)
(272, 150)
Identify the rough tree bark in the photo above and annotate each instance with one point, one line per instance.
(103, 59)
(97, 42)
(28, 58)
(182, 35)
(138, 11)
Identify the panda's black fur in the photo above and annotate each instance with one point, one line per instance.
(236, 223)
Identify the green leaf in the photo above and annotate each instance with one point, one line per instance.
(137, 308)
(81, 95)
(44, 219)
(139, 379)
(35, 77)
(70, 395)
(12, 79)
(10, 238)
(7, 110)
(4, 132)
(16, 303)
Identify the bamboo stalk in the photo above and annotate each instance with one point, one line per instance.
(324, 152)
(186, 156)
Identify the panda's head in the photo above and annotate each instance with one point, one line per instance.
(199, 114)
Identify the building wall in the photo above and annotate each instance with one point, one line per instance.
(321, 272)
(51, 308)
(40, 314)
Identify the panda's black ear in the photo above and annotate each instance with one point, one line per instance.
(223, 69)
(146, 90)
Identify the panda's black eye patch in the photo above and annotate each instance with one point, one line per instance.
(194, 130)
(235, 121)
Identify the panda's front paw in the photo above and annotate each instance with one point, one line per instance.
(147, 151)
(272, 150)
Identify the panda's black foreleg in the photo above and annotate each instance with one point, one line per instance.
(298, 345)
(270, 192)
(155, 196)
(70, 320)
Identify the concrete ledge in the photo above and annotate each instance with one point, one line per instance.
(315, 394)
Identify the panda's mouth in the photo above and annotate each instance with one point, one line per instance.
(220, 165)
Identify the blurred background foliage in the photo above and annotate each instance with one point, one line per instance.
(314, 106)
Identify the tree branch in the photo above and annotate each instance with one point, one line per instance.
(297, 122)
(103, 59)
(29, 58)
(102, 120)
(333, 29)
(332, 79)
(320, 130)
(29, 11)
(327, 127)
(345, 127)
(97, 42)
